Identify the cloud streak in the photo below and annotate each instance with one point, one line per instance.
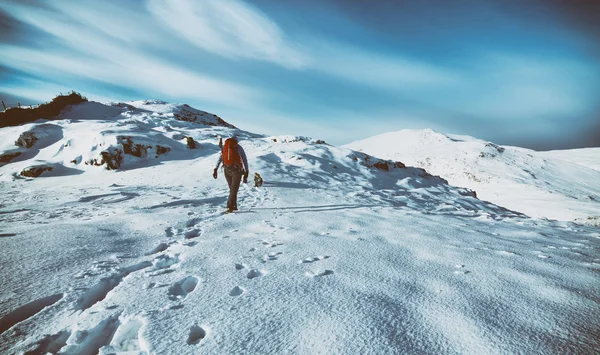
(88, 52)
(229, 28)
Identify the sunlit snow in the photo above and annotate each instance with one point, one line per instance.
(339, 252)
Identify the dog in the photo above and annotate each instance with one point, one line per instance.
(258, 181)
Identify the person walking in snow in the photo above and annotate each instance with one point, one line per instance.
(235, 166)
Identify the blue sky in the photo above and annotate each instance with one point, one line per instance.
(518, 72)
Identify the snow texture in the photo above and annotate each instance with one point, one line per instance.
(339, 252)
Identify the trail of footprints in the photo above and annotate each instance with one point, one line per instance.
(116, 334)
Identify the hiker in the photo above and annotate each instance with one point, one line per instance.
(235, 165)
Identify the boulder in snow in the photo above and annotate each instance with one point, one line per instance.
(35, 171)
(8, 156)
(26, 140)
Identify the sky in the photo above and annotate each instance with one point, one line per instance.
(514, 72)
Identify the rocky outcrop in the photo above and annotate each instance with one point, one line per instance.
(371, 162)
(114, 156)
(191, 143)
(17, 115)
(26, 140)
(35, 171)
(7, 157)
(189, 114)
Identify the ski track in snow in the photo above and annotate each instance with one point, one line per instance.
(144, 262)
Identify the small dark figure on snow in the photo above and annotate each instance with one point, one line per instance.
(235, 166)
(258, 181)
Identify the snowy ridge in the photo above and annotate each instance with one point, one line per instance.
(339, 252)
(538, 184)
(588, 157)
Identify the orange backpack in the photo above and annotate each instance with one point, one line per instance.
(231, 157)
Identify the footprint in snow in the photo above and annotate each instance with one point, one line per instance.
(271, 244)
(27, 311)
(128, 337)
(180, 290)
(192, 233)
(543, 256)
(254, 273)
(460, 270)
(236, 291)
(159, 248)
(51, 344)
(271, 256)
(163, 264)
(319, 273)
(197, 333)
(313, 259)
(192, 222)
(239, 266)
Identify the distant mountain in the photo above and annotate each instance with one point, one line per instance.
(559, 185)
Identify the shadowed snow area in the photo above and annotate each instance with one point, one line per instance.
(339, 252)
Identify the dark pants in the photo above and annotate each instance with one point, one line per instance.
(234, 178)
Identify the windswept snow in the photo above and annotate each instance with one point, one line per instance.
(555, 185)
(338, 252)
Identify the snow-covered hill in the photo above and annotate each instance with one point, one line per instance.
(588, 157)
(554, 185)
(122, 247)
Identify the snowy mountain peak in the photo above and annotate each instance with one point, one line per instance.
(523, 180)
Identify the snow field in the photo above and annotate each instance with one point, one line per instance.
(331, 255)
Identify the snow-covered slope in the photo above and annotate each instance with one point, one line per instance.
(337, 253)
(537, 184)
(588, 157)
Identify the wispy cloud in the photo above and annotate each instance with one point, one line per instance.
(381, 70)
(229, 28)
(92, 53)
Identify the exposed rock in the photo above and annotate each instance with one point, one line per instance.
(190, 142)
(381, 165)
(26, 140)
(494, 146)
(162, 150)
(384, 165)
(16, 116)
(131, 148)
(188, 114)
(35, 171)
(7, 157)
(112, 158)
